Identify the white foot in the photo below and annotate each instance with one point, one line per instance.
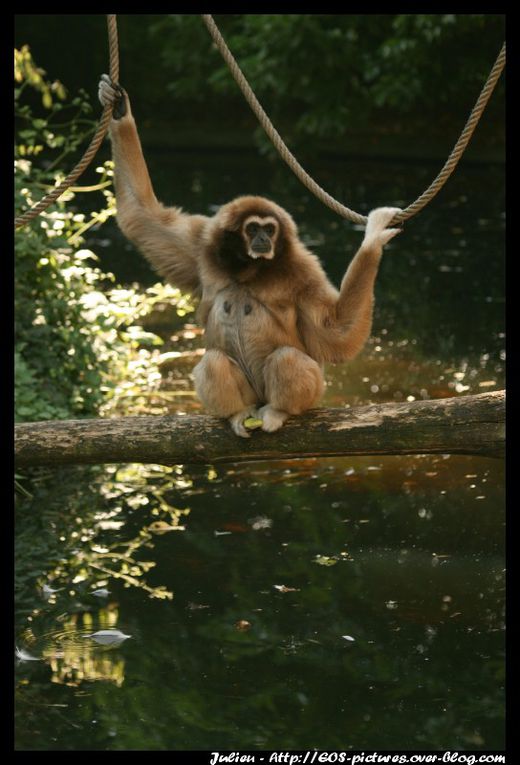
(272, 419)
(237, 421)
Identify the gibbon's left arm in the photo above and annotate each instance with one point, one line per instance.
(336, 329)
(168, 238)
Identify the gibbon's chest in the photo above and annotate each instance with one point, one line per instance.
(236, 308)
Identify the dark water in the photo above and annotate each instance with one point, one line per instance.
(335, 603)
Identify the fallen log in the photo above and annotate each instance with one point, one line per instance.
(460, 425)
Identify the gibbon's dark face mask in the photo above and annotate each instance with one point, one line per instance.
(260, 235)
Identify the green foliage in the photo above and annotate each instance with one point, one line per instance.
(27, 73)
(323, 73)
(76, 343)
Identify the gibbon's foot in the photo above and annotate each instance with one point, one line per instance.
(272, 419)
(378, 219)
(237, 421)
(112, 94)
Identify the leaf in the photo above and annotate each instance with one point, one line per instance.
(325, 560)
(23, 655)
(108, 637)
(161, 527)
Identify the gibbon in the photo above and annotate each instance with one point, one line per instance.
(271, 316)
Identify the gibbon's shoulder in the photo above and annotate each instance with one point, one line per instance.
(307, 263)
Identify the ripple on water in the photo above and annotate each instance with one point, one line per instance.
(56, 644)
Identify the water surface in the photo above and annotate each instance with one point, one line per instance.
(335, 603)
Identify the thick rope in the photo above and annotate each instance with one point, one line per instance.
(305, 178)
(273, 134)
(94, 145)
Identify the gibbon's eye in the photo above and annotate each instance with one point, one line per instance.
(269, 229)
(252, 229)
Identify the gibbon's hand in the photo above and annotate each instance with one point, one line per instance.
(111, 94)
(376, 232)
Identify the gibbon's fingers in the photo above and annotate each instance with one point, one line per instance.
(114, 95)
(109, 83)
(105, 94)
(379, 219)
(107, 88)
(388, 233)
(376, 232)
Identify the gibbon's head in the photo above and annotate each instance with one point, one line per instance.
(252, 230)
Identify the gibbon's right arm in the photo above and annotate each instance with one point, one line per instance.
(170, 239)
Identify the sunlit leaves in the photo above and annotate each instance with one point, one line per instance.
(101, 358)
(325, 560)
(161, 527)
(109, 554)
(26, 71)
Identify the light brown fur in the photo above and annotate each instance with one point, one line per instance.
(272, 319)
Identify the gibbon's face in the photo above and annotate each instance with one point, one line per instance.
(260, 234)
(252, 234)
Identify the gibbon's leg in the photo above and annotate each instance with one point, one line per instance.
(224, 390)
(293, 383)
(356, 300)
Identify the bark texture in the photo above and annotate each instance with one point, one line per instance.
(465, 425)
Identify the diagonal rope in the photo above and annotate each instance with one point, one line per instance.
(309, 182)
(94, 145)
(273, 134)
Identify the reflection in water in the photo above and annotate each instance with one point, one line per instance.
(252, 649)
(335, 603)
(76, 655)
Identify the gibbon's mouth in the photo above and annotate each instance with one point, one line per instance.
(261, 253)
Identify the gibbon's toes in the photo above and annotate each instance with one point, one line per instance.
(272, 419)
(379, 219)
(239, 429)
(237, 422)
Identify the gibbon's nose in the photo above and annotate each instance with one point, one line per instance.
(261, 243)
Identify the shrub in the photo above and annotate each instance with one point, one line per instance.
(76, 347)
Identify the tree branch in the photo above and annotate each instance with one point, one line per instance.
(465, 425)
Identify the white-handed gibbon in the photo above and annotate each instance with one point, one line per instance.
(271, 316)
